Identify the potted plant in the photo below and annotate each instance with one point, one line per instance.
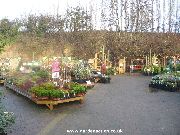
(34, 90)
(72, 94)
(66, 86)
(167, 82)
(80, 72)
(42, 94)
(79, 90)
(56, 94)
(66, 94)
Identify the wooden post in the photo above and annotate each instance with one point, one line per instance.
(105, 59)
(81, 101)
(50, 106)
(122, 66)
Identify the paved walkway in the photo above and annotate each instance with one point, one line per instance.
(125, 104)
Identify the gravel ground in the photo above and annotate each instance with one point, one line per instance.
(126, 103)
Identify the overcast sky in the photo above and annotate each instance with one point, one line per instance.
(16, 8)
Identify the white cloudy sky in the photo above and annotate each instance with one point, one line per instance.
(16, 8)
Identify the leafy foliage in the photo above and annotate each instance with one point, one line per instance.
(6, 118)
(81, 71)
(42, 73)
(110, 71)
(152, 69)
(56, 94)
(169, 81)
(8, 32)
(79, 89)
(47, 90)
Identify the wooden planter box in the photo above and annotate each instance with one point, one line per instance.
(49, 103)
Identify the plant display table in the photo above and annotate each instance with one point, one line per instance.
(17, 90)
(49, 103)
(169, 82)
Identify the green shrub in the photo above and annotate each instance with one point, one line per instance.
(72, 85)
(71, 92)
(110, 71)
(79, 89)
(42, 73)
(35, 89)
(34, 78)
(6, 119)
(56, 94)
(152, 69)
(35, 68)
(156, 69)
(48, 86)
(42, 93)
(80, 71)
(177, 67)
(46, 90)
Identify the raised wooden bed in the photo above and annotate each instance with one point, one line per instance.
(17, 90)
(49, 103)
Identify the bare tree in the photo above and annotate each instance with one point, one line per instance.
(158, 15)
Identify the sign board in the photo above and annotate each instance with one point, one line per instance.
(55, 66)
(55, 75)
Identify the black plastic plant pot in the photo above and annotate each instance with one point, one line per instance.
(178, 84)
(79, 80)
(3, 133)
(159, 86)
(151, 85)
(172, 89)
(156, 85)
(72, 95)
(166, 88)
(108, 80)
(92, 80)
(155, 73)
(163, 86)
(105, 80)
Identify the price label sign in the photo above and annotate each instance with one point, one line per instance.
(55, 75)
